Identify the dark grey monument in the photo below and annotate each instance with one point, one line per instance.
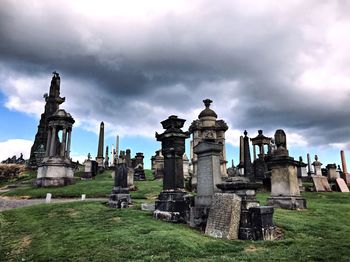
(247, 162)
(120, 197)
(99, 157)
(171, 205)
(53, 100)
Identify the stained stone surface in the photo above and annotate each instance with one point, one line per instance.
(342, 185)
(224, 216)
(321, 184)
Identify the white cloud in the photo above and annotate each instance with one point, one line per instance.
(14, 147)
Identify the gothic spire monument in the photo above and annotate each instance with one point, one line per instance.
(53, 101)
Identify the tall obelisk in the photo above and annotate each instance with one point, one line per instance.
(99, 157)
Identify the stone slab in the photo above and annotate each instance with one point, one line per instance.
(342, 185)
(321, 184)
(224, 216)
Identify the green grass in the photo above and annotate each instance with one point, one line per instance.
(101, 186)
(90, 231)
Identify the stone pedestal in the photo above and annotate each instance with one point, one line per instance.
(285, 191)
(171, 206)
(54, 171)
(332, 174)
(119, 198)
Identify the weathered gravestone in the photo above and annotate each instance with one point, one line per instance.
(224, 216)
(342, 185)
(321, 184)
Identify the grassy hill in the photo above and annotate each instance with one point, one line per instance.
(90, 231)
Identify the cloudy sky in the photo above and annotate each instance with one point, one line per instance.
(265, 64)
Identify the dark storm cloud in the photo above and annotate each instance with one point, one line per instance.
(133, 75)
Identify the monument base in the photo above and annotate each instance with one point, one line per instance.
(287, 202)
(54, 182)
(171, 206)
(120, 198)
(55, 172)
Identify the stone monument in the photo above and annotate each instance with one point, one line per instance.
(120, 197)
(137, 164)
(208, 127)
(332, 173)
(99, 157)
(247, 162)
(259, 164)
(53, 101)
(90, 168)
(158, 165)
(208, 176)
(317, 167)
(285, 191)
(171, 205)
(56, 168)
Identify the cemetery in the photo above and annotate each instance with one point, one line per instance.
(174, 130)
(269, 207)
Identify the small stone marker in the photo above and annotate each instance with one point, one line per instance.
(83, 196)
(224, 216)
(342, 185)
(321, 184)
(48, 198)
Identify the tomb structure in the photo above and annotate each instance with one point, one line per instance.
(56, 168)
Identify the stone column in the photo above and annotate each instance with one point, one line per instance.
(53, 142)
(63, 144)
(254, 152)
(241, 150)
(343, 162)
(309, 165)
(48, 142)
(68, 143)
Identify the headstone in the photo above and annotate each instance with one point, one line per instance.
(120, 196)
(147, 207)
(83, 196)
(342, 185)
(48, 198)
(224, 216)
(254, 225)
(309, 169)
(208, 176)
(321, 184)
